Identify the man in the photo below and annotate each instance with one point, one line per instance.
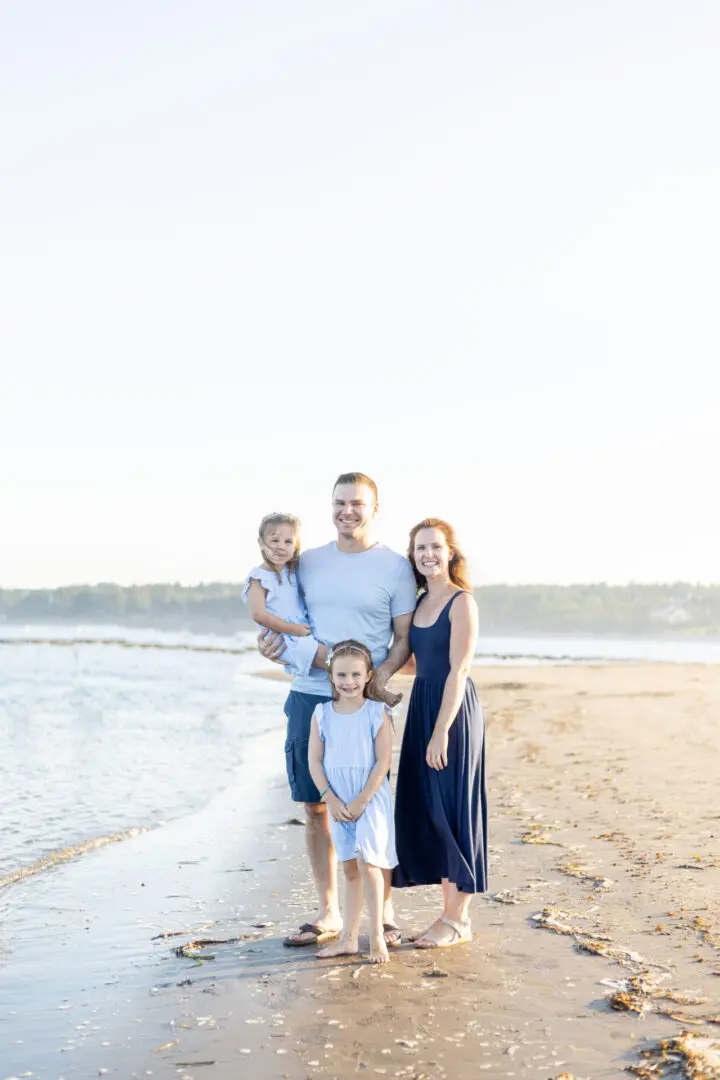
(353, 588)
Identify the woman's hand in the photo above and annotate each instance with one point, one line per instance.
(436, 755)
(338, 810)
(356, 808)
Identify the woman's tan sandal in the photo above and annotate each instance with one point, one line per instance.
(461, 933)
(311, 935)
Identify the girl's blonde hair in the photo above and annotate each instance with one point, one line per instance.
(349, 648)
(269, 522)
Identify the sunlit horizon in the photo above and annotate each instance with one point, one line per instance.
(468, 249)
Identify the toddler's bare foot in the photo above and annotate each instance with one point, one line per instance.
(378, 950)
(344, 946)
(388, 698)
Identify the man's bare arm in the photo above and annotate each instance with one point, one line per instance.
(399, 650)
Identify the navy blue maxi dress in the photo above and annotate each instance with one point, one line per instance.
(441, 815)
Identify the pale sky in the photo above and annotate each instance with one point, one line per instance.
(471, 248)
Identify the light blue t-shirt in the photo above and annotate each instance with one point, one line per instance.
(353, 596)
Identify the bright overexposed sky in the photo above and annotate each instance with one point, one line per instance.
(470, 247)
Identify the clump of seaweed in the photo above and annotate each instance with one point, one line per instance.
(705, 929)
(505, 896)
(191, 949)
(556, 920)
(641, 994)
(538, 833)
(596, 942)
(700, 862)
(691, 1054)
(582, 874)
(602, 947)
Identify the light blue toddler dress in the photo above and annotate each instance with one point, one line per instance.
(349, 759)
(283, 599)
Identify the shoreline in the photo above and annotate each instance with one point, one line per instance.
(603, 822)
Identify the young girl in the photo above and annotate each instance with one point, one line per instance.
(272, 594)
(349, 758)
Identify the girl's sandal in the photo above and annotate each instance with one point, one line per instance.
(461, 934)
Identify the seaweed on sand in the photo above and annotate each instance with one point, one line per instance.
(554, 919)
(191, 948)
(641, 994)
(691, 1054)
(538, 833)
(598, 943)
(582, 874)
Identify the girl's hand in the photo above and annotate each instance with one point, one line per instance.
(303, 631)
(356, 808)
(436, 756)
(337, 808)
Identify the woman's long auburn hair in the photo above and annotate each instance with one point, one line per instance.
(457, 567)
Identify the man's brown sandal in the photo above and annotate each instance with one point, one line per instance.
(317, 934)
(392, 935)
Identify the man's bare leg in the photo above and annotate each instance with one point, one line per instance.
(324, 870)
(392, 936)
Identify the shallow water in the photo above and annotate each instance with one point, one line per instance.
(95, 740)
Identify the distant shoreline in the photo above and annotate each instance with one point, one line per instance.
(670, 611)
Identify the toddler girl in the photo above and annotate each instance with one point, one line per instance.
(271, 591)
(349, 757)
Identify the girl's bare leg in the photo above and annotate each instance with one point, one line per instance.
(374, 889)
(347, 943)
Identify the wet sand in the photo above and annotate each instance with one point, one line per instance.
(599, 941)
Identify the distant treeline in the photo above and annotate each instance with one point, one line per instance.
(676, 609)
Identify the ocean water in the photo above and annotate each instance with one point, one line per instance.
(98, 741)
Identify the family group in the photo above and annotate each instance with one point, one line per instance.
(344, 618)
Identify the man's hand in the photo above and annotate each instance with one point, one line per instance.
(356, 808)
(271, 645)
(379, 679)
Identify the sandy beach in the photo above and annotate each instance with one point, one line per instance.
(597, 946)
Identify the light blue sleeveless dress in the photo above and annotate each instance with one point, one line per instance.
(283, 599)
(349, 740)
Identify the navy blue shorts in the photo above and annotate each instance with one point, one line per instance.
(299, 708)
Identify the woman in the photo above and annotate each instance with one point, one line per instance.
(441, 798)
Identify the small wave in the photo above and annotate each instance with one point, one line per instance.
(125, 644)
(57, 857)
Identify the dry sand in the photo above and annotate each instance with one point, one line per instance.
(605, 878)
(599, 941)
